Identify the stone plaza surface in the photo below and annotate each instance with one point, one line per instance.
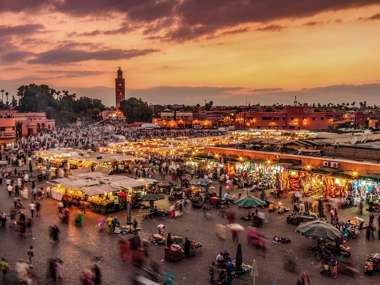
(80, 247)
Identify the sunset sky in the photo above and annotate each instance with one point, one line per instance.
(186, 51)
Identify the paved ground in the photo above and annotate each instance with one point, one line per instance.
(79, 246)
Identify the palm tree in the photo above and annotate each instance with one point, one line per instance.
(6, 95)
(2, 95)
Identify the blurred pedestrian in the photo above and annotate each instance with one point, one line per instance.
(3, 219)
(4, 267)
(32, 208)
(169, 240)
(187, 247)
(87, 277)
(38, 208)
(304, 279)
(97, 276)
(10, 189)
(30, 254)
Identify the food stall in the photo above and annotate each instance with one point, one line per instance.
(104, 193)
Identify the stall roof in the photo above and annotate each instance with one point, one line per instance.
(127, 183)
(76, 183)
(98, 189)
(83, 181)
(107, 157)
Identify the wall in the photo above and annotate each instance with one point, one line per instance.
(357, 153)
(7, 130)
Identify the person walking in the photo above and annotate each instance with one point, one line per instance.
(10, 189)
(304, 279)
(187, 247)
(3, 219)
(361, 208)
(169, 241)
(371, 225)
(4, 267)
(17, 190)
(38, 208)
(34, 192)
(30, 254)
(32, 208)
(52, 269)
(54, 233)
(97, 275)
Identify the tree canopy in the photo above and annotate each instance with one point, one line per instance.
(136, 110)
(60, 105)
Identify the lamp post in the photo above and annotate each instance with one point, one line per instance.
(129, 212)
(254, 272)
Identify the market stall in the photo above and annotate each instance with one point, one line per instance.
(104, 193)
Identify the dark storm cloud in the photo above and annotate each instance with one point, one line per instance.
(209, 16)
(235, 31)
(14, 56)
(313, 23)
(61, 55)
(124, 29)
(7, 31)
(188, 19)
(71, 73)
(22, 5)
(371, 18)
(271, 28)
(137, 10)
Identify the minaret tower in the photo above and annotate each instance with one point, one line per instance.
(119, 88)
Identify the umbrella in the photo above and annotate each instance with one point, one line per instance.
(200, 182)
(250, 202)
(235, 227)
(239, 257)
(152, 197)
(319, 230)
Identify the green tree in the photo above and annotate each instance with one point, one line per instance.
(208, 105)
(136, 110)
(62, 106)
(14, 102)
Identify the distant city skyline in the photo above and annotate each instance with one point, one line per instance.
(232, 52)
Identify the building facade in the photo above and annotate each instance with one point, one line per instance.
(119, 88)
(285, 118)
(14, 124)
(289, 118)
(173, 120)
